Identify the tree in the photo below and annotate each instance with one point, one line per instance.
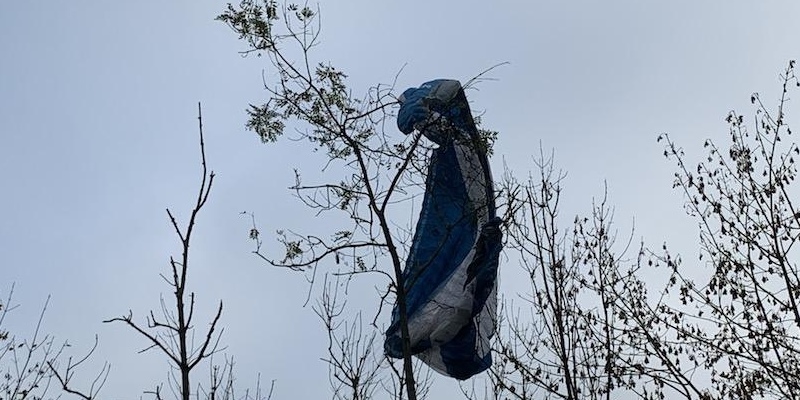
(742, 319)
(24, 362)
(584, 328)
(595, 328)
(28, 366)
(378, 172)
(173, 333)
(565, 349)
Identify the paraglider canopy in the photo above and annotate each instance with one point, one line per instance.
(451, 269)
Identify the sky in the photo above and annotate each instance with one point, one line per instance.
(98, 136)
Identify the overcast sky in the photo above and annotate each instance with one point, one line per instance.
(98, 136)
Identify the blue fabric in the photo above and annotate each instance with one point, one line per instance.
(451, 269)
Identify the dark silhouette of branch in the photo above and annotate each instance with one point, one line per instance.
(172, 336)
(64, 378)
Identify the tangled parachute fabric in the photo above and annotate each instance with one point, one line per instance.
(450, 278)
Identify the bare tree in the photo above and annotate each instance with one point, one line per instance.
(24, 362)
(567, 340)
(589, 326)
(174, 331)
(742, 318)
(729, 328)
(29, 366)
(354, 366)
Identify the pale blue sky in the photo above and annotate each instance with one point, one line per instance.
(98, 127)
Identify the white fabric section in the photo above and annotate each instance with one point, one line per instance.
(448, 310)
(445, 90)
(485, 322)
